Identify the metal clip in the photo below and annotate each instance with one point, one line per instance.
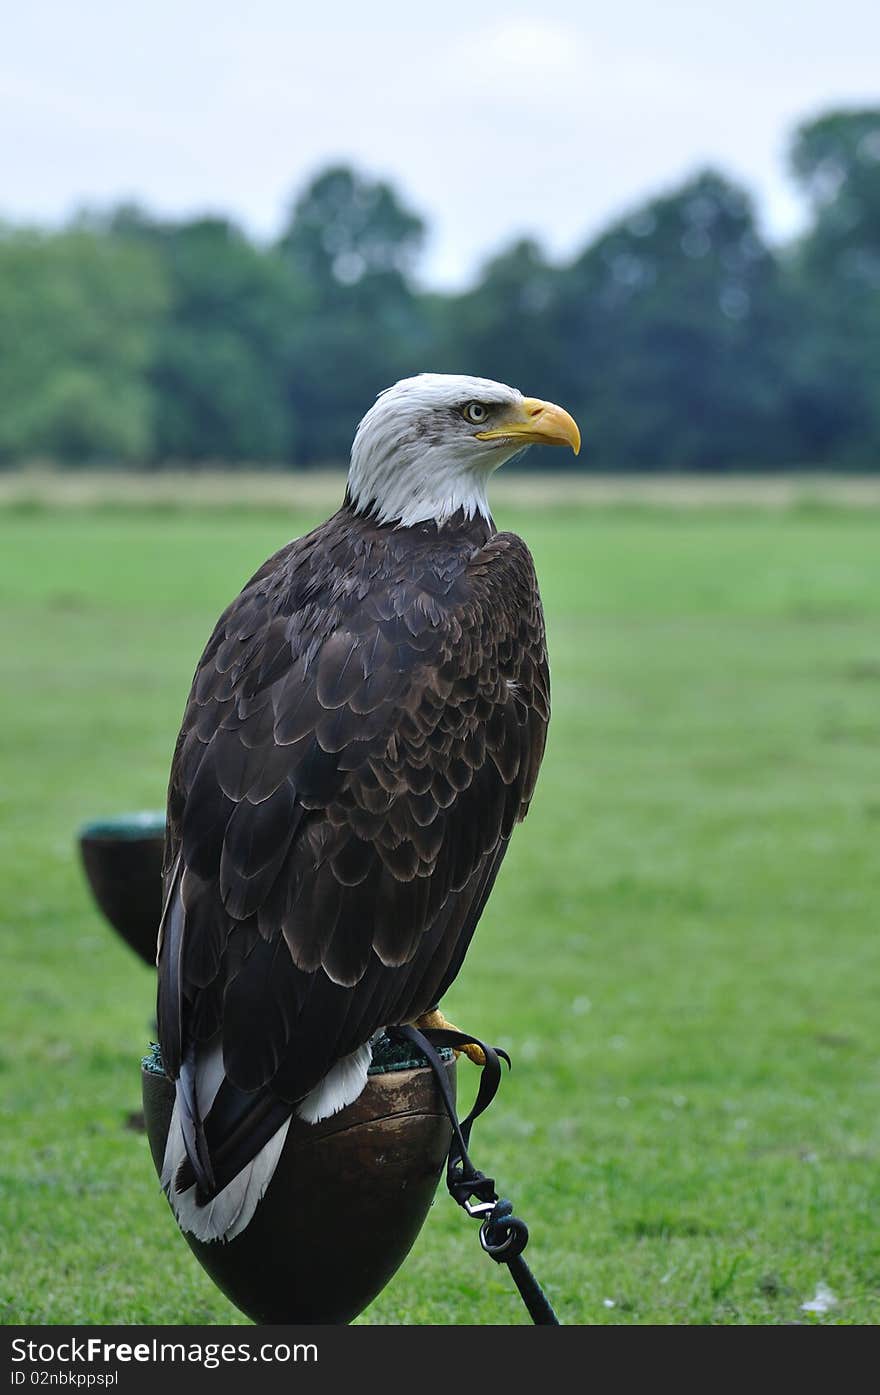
(479, 1208)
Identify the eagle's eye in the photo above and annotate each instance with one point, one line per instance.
(475, 412)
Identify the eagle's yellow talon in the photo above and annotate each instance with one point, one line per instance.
(435, 1020)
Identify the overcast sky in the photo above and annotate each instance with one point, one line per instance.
(493, 119)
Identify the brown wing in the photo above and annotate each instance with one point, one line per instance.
(363, 732)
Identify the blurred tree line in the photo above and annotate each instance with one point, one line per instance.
(679, 337)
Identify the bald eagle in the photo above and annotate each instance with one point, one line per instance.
(364, 730)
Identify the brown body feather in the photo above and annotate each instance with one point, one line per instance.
(364, 729)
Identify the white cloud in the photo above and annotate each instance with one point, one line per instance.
(492, 122)
(536, 52)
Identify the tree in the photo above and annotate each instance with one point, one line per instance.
(834, 278)
(669, 324)
(681, 339)
(353, 245)
(80, 313)
(502, 327)
(351, 238)
(219, 366)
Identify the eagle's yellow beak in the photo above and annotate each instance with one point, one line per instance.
(537, 423)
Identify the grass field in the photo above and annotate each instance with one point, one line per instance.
(681, 953)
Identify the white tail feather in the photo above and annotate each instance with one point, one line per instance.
(227, 1214)
(231, 1210)
(341, 1086)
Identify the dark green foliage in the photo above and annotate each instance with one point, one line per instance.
(80, 314)
(353, 245)
(668, 333)
(348, 234)
(219, 366)
(835, 284)
(678, 336)
(504, 327)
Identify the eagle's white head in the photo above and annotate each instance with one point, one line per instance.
(428, 445)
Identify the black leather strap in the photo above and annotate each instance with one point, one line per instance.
(502, 1234)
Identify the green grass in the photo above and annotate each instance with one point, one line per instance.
(681, 952)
